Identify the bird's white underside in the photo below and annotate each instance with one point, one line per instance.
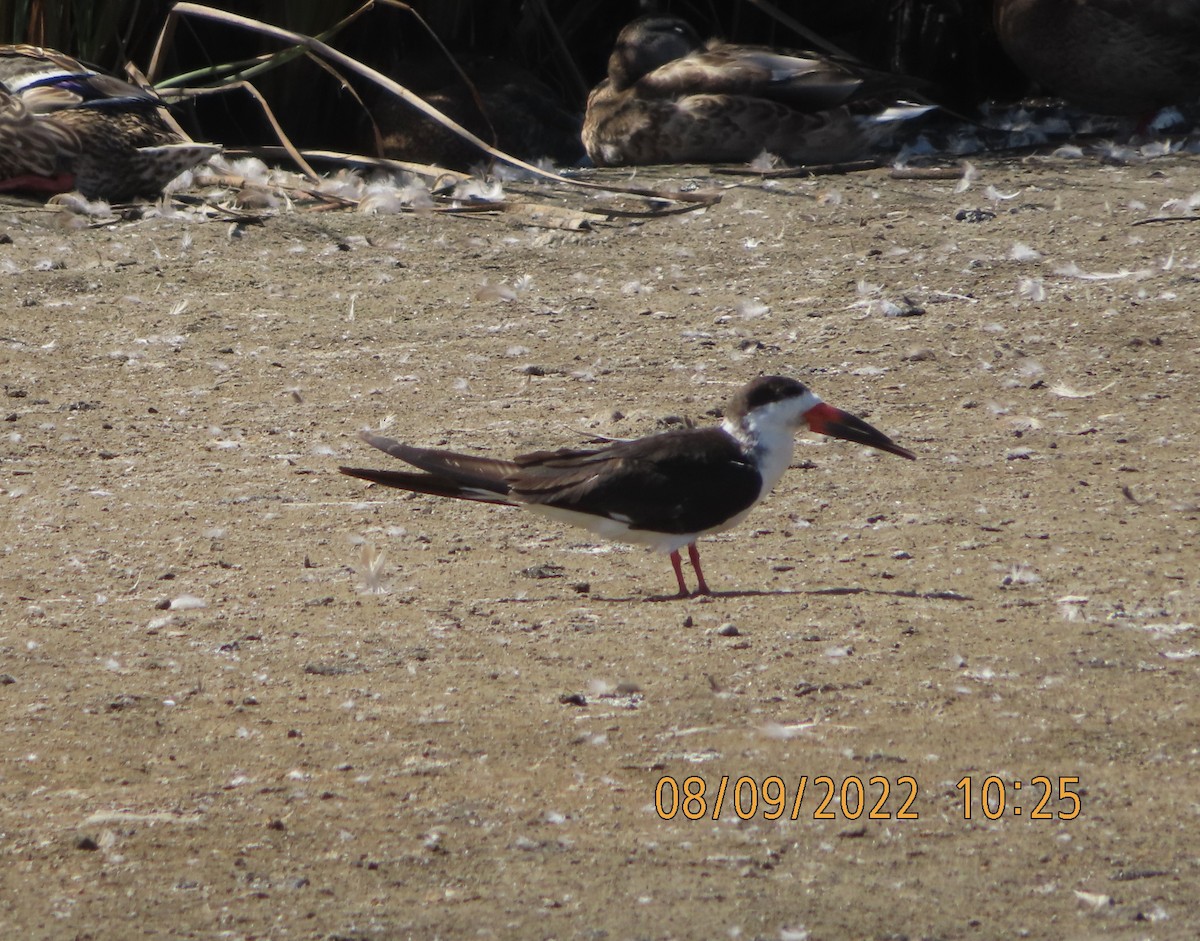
(616, 530)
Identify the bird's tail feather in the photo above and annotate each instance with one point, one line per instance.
(433, 484)
(466, 470)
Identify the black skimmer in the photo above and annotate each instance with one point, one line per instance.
(663, 491)
(670, 98)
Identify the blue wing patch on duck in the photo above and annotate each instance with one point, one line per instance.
(670, 98)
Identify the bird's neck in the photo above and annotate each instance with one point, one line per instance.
(768, 444)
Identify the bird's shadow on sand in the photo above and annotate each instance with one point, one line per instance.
(783, 592)
(768, 593)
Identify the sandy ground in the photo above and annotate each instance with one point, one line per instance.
(214, 728)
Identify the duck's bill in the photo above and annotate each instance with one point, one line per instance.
(827, 420)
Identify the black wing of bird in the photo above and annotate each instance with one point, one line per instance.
(678, 482)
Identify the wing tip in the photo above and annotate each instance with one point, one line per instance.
(360, 472)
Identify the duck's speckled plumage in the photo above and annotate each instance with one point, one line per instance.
(64, 126)
(669, 98)
(1108, 56)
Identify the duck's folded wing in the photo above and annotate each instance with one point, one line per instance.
(802, 81)
(48, 81)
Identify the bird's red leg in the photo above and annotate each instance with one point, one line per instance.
(694, 555)
(677, 564)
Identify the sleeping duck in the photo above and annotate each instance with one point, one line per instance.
(64, 126)
(1108, 56)
(670, 98)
